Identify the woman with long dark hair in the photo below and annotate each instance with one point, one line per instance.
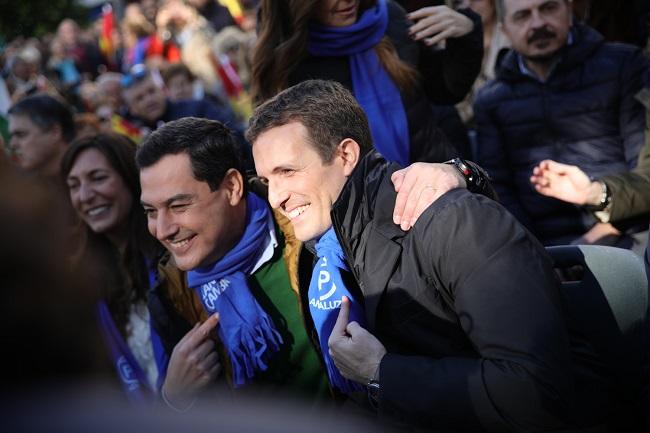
(104, 189)
(395, 68)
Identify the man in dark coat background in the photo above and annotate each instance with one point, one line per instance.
(564, 94)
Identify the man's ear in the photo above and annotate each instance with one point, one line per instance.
(349, 153)
(233, 185)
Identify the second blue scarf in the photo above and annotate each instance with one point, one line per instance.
(372, 86)
(326, 290)
(246, 331)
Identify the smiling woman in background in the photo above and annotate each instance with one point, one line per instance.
(395, 68)
(104, 190)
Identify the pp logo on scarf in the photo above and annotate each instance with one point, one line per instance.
(211, 291)
(127, 374)
(323, 278)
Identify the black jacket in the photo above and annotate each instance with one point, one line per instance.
(466, 304)
(584, 114)
(446, 76)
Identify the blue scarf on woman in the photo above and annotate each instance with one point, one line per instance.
(131, 375)
(245, 330)
(372, 86)
(326, 290)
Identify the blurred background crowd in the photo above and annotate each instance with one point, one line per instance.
(82, 52)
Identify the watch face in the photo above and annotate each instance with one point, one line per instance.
(374, 391)
(373, 387)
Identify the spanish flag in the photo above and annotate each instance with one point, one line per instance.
(106, 45)
(122, 126)
(235, 9)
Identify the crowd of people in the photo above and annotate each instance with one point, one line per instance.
(341, 203)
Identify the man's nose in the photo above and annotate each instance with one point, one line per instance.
(537, 20)
(13, 144)
(277, 194)
(166, 227)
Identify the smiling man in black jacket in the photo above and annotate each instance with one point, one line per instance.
(464, 328)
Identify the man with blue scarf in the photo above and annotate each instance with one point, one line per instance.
(240, 265)
(455, 325)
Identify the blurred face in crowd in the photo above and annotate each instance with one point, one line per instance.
(146, 100)
(110, 92)
(537, 29)
(198, 3)
(337, 13)
(21, 69)
(197, 225)
(34, 148)
(301, 186)
(179, 87)
(98, 193)
(68, 32)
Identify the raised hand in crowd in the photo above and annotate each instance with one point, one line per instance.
(565, 182)
(434, 24)
(419, 185)
(194, 364)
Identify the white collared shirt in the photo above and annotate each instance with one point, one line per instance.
(270, 243)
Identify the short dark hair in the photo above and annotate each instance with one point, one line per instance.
(212, 147)
(328, 111)
(46, 112)
(174, 70)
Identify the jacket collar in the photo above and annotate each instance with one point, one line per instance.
(357, 206)
(585, 41)
(366, 203)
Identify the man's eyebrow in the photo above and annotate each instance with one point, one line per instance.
(179, 197)
(280, 168)
(172, 199)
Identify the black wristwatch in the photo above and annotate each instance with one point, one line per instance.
(473, 177)
(374, 392)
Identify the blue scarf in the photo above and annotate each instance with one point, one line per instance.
(326, 290)
(245, 330)
(161, 357)
(132, 376)
(373, 88)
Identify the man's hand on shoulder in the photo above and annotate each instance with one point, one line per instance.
(418, 186)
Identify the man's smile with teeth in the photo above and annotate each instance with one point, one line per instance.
(297, 211)
(181, 243)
